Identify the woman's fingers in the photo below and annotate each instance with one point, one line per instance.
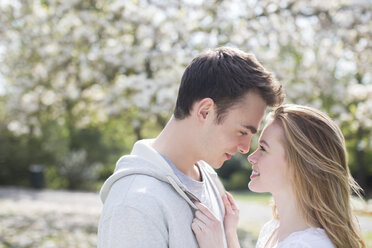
(203, 209)
(230, 205)
(207, 228)
(231, 201)
(208, 235)
(202, 217)
(231, 218)
(227, 204)
(198, 226)
(207, 218)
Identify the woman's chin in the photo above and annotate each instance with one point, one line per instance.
(252, 187)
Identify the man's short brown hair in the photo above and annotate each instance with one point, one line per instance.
(225, 75)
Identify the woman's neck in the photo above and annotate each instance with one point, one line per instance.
(290, 217)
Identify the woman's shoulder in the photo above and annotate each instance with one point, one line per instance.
(309, 238)
(266, 231)
(270, 226)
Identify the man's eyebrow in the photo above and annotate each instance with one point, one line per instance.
(253, 129)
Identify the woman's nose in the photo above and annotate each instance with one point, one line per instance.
(252, 158)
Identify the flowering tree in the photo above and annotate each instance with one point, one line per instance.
(68, 65)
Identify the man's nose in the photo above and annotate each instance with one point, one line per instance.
(244, 146)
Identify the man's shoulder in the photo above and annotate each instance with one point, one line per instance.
(141, 184)
(146, 196)
(144, 189)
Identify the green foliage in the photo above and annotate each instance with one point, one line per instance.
(13, 159)
(235, 173)
(53, 178)
(17, 154)
(239, 180)
(248, 196)
(76, 170)
(236, 163)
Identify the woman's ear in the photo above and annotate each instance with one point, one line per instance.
(203, 109)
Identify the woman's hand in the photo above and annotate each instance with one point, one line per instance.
(207, 228)
(231, 220)
(231, 213)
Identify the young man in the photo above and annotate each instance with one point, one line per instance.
(148, 201)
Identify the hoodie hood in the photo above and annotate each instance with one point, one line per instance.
(144, 160)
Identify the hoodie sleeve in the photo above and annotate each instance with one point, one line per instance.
(129, 227)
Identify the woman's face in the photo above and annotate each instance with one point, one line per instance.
(269, 166)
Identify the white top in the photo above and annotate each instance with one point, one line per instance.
(309, 238)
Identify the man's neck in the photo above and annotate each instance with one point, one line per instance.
(177, 143)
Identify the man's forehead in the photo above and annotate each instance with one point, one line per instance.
(246, 115)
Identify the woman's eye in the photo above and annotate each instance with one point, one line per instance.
(243, 133)
(262, 148)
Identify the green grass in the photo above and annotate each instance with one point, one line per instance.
(252, 197)
(367, 236)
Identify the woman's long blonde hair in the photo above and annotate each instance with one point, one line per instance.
(316, 155)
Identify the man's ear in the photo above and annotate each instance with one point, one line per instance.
(204, 108)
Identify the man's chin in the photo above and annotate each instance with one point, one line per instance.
(216, 165)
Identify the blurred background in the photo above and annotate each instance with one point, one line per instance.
(82, 80)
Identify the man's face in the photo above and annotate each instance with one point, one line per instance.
(222, 141)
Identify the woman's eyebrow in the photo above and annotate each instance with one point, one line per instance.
(265, 143)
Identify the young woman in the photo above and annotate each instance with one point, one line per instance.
(302, 162)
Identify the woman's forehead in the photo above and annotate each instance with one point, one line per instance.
(272, 131)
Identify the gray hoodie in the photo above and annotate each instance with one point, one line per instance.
(146, 205)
